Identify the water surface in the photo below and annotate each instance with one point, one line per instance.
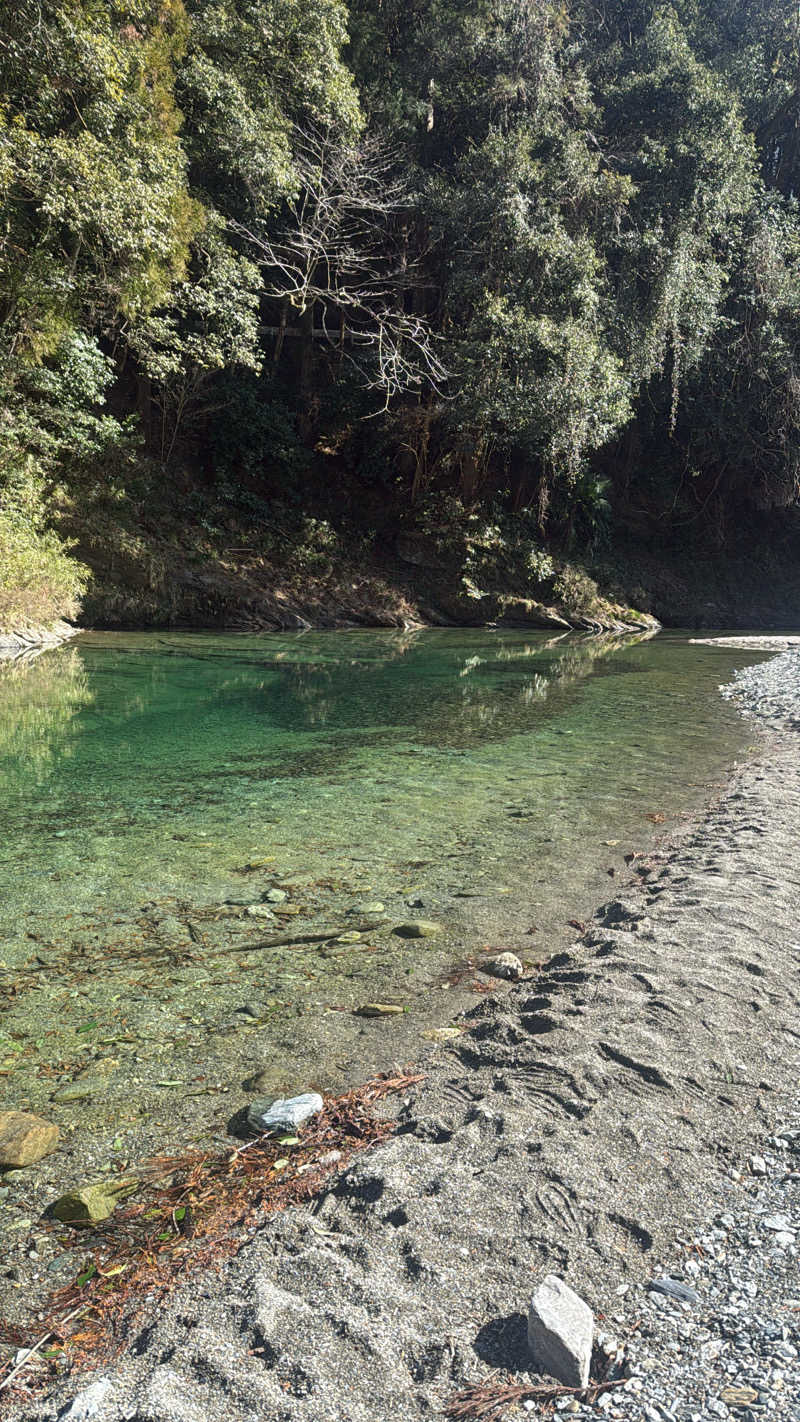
(156, 786)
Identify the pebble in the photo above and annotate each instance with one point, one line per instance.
(504, 965)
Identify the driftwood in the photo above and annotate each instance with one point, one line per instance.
(487, 1401)
(288, 940)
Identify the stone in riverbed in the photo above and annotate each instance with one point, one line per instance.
(24, 1138)
(418, 928)
(378, 1009)
(275, 896)
(560, 1332)
(262, 911)
(673, 1289)
(504, 965)
(86, 1406)
(285, 1114)
(91, 1204)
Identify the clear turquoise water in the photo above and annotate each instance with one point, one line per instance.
(138, 766)
(486, 780)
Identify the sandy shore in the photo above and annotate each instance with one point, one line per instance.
(580, 1122)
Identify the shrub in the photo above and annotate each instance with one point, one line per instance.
(39, 581)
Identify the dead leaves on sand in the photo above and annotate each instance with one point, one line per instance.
(200, 1208)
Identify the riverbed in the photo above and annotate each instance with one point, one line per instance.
(174, 802)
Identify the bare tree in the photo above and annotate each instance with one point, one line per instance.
(342, 259)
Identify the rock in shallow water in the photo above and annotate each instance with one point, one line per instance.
(560, 1332)
(24, 1138)
(418, 928)
(286, 1114)
(92, 1204)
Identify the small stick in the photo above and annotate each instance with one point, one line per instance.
(51, 1332)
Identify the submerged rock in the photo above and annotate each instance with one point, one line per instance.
(275, 896)
(24, 1138)
(561, 1332)
(378, 1009)
(286, 1114)
(262, 911)
(91, 1204)
(418, 928)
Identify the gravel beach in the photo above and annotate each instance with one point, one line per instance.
(629, 1114)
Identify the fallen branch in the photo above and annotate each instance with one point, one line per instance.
(288, 940)
(488, 1400)
(53, 1332)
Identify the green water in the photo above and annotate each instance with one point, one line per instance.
(485, 780)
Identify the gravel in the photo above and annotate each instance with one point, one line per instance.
(770, 691)
(735, 1353)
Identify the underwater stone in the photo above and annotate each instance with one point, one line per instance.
(91, 1204)
(418, 928)
(24, 1138)
(275, 896)
(378, 1009)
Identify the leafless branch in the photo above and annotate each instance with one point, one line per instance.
(344, 250)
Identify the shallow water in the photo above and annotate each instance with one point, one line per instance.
(156, 785)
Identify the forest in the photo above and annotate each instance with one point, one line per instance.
(285, 279)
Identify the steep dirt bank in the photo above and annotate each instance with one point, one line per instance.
(308, 572)
(190, 580)
(576, 1125)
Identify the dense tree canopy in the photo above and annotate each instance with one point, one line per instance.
(521, 253)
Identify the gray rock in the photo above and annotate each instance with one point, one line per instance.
(777, 1222)
(758, 1165)
(285, 1114)
(262, 911)
(560, 1332)
(505, 965)
(673, 1289)
(275, 896)
(87, 1404)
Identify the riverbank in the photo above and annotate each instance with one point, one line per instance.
(30, 641)
(578, 1124)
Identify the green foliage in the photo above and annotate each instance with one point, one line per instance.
(565, 251)
(39, 581)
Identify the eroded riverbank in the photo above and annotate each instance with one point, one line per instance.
(576, 1124)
